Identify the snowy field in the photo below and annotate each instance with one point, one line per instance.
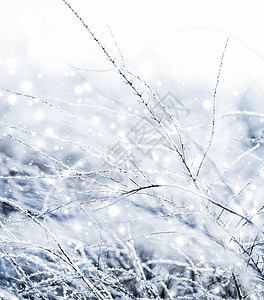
(131, 149)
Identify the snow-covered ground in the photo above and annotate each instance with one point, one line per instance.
(131, 150)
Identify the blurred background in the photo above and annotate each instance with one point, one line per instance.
(73, 154)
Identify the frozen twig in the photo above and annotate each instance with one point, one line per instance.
(124, 74)
(91, 286)
(214, 111)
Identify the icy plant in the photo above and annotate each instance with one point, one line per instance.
(126, 196)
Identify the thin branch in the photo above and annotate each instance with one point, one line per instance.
(214, 110)
(129, 82)
(91, 286)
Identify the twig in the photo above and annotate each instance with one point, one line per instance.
(129, 82)
(214, 109)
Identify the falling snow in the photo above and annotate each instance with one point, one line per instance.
(131, 155)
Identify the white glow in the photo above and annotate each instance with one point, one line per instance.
(87, 87)
(78, 90)
(180, 240)
(11, 63)
(167, 159)
(196, 161)
(50, 181)
(155, 156)
(160, 180)
(237, 188)
(66, 173)
(39, 115)
(26, 86)
(40, 143)
(95, 119)
(12, 99)
(49, 131)
(207, 104)
(113, 210)
(77, 227)
(122, 230)
(36, 50)
(146, 67)
(121, 133)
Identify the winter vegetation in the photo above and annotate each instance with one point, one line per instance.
(128, 178)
